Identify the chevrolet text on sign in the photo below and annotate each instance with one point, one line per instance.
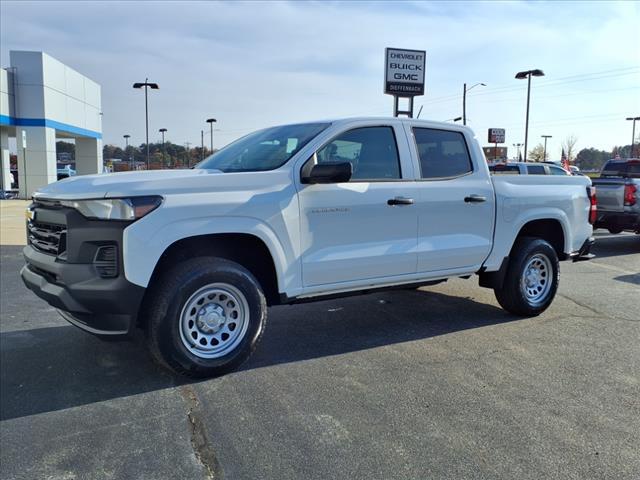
(404, 72)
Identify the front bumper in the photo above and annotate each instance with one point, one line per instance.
(97, 305)
(74, 281)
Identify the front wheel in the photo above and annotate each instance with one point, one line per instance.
(206, 317)
(532, 278)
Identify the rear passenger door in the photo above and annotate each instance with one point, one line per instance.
(455, 205)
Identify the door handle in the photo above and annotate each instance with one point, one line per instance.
(400, 201)
(475, 199)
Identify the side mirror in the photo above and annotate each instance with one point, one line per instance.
(329, 173)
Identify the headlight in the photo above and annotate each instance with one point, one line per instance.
(115, 208)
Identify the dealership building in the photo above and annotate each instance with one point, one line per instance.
(42, 100)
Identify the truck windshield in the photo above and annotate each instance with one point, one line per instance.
(263, 150)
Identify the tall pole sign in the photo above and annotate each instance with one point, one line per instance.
(404, 76)
(496, 136)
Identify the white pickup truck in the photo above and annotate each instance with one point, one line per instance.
(290, 214)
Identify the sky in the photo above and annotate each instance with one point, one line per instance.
(252, 65)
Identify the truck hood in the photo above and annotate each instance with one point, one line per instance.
(156, 182)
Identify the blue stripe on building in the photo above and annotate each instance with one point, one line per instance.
(45, 122)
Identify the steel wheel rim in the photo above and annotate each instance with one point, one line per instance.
(214, 320)
(536, 279)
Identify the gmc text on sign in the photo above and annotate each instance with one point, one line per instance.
(404, 72)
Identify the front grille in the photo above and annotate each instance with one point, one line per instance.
(47, 238)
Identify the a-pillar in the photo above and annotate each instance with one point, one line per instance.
(5, 165)
(88, 155)
(36, 162)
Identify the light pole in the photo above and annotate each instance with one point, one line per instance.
(146, 85)
(544, 157)
(126, 148)
(633, 134)
(211, 121)
(162, 131)
(521, 76)
(517, 145)
(464, 100)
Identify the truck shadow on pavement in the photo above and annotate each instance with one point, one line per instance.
(608, 245)
(50, 369)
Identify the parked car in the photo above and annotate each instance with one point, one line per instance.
(293, 214)
(65, 171)
(526, 168)
(618, 190)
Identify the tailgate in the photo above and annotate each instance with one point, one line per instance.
(610, 196)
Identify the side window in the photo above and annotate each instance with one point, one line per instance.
(372, 152)
(442, 153)
(557, 170)
(536, 170)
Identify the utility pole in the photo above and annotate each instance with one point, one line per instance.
(464, 100)
(201, 145)
(633, 135)
(187, 145)
(544, 157)
(126, 149)
(163, 130)
(211, 121)
(520, 76)
(146, 85)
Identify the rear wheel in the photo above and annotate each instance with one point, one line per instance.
(532, 278)
(615, 231)
(207, 316)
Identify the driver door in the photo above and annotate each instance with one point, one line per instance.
(365, 228)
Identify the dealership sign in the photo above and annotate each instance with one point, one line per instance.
(404, 72)
(496, 135)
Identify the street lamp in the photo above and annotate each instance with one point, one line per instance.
(521, 76)
(146, 85)
(544, 157)
(517, 145)
(211, 121)
(162, 130)
(464, 100)
(633, 134)
(126, 147)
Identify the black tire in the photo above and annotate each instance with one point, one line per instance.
(614, 231)
(512, 296)
(170, 295)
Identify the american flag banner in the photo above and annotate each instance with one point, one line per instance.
(565, 161)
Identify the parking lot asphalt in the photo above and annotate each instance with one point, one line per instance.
(436, 383)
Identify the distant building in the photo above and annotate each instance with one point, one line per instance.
(493, 154)
(42, 99)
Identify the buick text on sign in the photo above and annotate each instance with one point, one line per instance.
(404, 72)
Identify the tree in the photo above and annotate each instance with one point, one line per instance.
(537, 153)
(592, 159)
(569, 146)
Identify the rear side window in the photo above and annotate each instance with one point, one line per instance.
(372, 152)
(442, 153)
(557, 170)
(536, 170)
(504, 169)
(621, 168)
